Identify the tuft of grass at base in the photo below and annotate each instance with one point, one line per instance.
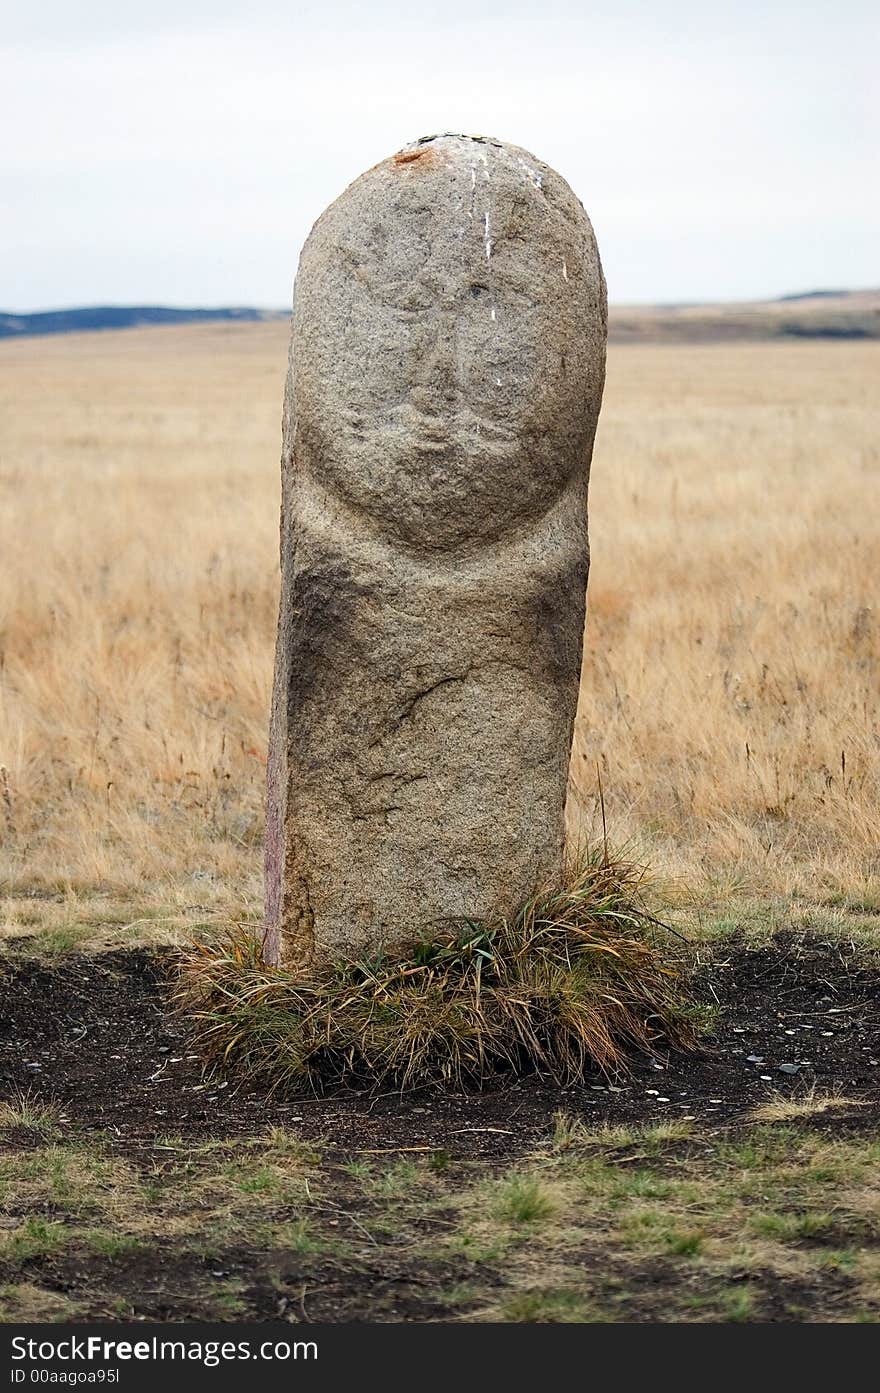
(25, 1109)
(581, 979)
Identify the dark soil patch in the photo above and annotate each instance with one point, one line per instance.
(18, 1139)
(96, 1036)
(658, 1289)
(782, 1298)
(161, 1282)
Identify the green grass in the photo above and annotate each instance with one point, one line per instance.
(25, 1109)
(33, 1239)
(109, 1244)
(543, 1306)
(255, 1182)
(793, 1228)
(650, 1229)
(851, 919)
(395, 1180)
(684, 1244)
(522, 1199)
(737, 1304)
(600, 1223)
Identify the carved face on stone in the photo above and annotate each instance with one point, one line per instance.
(449, 392)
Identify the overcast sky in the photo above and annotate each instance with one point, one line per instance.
(178, 151)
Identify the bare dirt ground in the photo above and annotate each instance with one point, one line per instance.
(736, 1184)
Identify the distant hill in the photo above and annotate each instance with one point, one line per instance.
(816, 314)
(122, 317)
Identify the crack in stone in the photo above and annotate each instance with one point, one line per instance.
(411, 705)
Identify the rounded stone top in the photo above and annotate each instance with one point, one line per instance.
(454, 148)
(449, 342)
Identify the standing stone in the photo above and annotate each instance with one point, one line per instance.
(447, 362)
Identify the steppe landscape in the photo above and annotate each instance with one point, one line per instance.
(730, 717)
(730, 688)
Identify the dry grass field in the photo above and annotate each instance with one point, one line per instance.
(731, 711)
(731, 688)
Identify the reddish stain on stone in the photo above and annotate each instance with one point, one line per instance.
(408, 156)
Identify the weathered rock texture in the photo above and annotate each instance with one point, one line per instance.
(446, 370)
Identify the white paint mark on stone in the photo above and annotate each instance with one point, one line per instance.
(564, 271)
(473, 191)
(487, 240)
(493, 314)
(532, 174)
